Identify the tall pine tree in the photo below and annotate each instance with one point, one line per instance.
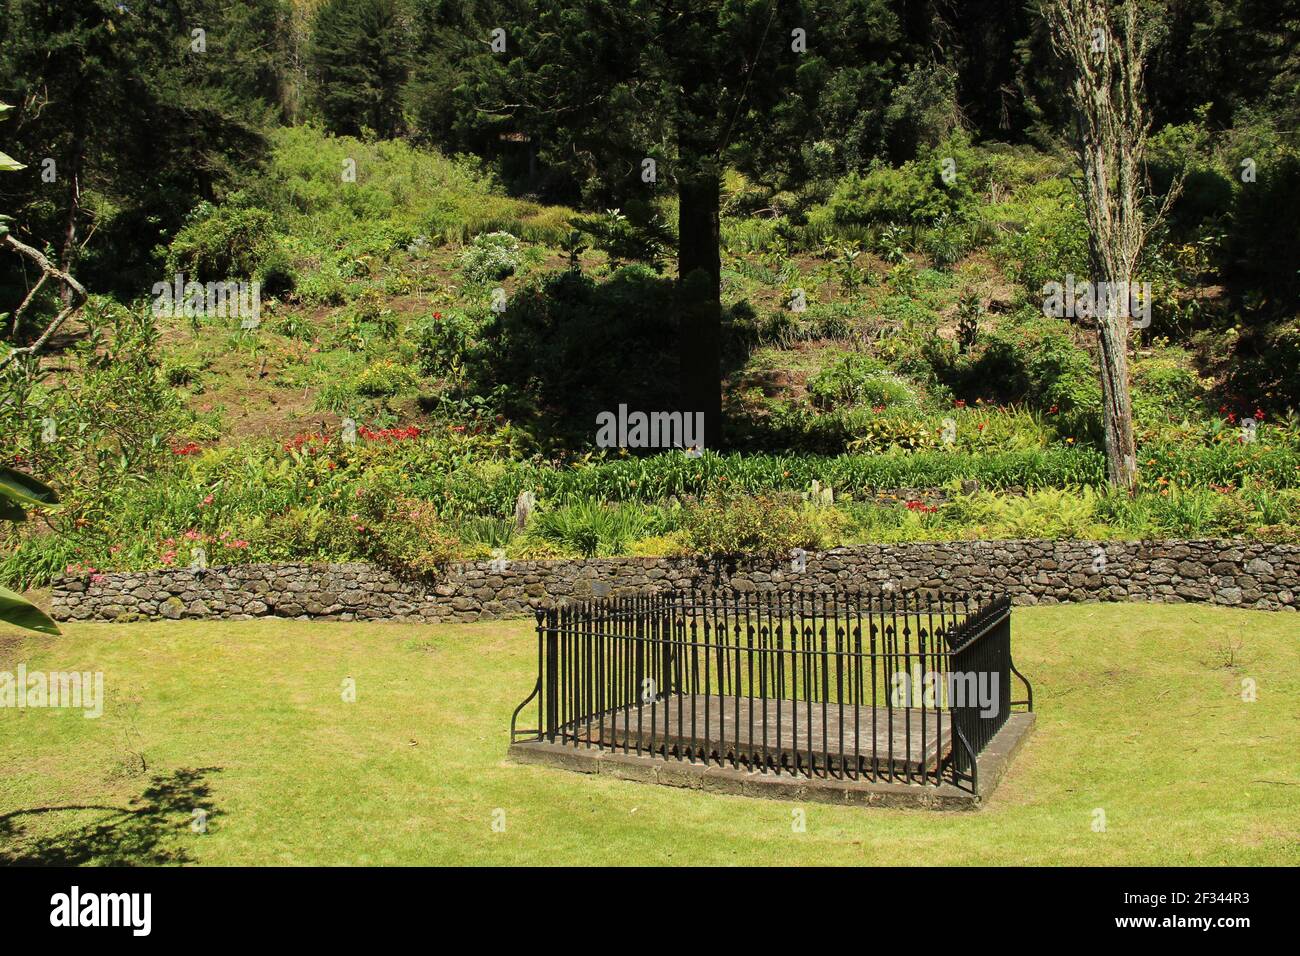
(602, 88)
(359, 61)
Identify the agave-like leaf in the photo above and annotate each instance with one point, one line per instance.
(17, 610)
(26, 490)
(9, 165)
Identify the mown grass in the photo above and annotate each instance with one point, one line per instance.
(1140, 714)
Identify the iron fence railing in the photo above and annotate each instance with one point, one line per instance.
(903, 688)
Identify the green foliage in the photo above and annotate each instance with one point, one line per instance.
(18, 492)
(858, 380)
(946, 243)
(144, 127)
(724, 524)
(911, 194)
(384, 377)
(922, 109)
(626, 240)
(1050, 244)
(7, 163)
(221, 243)
(403, 198)
(969, 310)
(561, 346)
(359, 61)
(403, 532)
(590, 528)
(443, 341)
(1042, 513)
(491, 256)
(1031, 360)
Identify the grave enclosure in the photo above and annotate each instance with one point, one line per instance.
(838, 696)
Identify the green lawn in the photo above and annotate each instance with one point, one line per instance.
(1139, 708)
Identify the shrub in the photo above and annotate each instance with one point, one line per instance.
(442, 341)
(560, 349)
(858, 380)
(946, 243)
(325, 286)
(403, 532)
(591, 527)
(382, 378)
(830, 321)
(1044, 513)
(181, 370)
(911, 194)
(645, 239)
(881, 433)
(221, 243)
(1050, 245)
(726, 523)
(491, 257)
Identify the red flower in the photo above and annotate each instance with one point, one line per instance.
(390, 434)
(960, 403)
(305, 440)
(191, 448)
(1052, 410)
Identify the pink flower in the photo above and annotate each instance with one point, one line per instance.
(207, 500)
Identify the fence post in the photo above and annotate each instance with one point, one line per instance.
(551, 723)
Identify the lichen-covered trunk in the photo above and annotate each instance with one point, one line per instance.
(1117, 405)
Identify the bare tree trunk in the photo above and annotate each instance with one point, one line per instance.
(1103, 47)
(1117, 407)
(699, 277)
(68, 252)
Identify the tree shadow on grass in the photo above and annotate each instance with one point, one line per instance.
(152, 831)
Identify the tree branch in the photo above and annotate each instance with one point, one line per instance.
(74, 304)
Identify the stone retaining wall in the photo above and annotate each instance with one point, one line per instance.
(1235, 573)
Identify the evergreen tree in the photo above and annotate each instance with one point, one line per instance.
(603, 88)
(119, 113)
(359, 61)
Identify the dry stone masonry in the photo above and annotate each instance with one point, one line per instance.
(1234, 573)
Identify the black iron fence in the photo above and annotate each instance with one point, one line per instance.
(902, 688)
